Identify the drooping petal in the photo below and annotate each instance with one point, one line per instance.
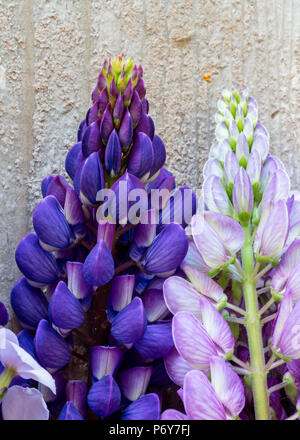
(200, 399)
(57, 187)
(192, 340)
(203, 283)
(145, 408)
(227, 385)
(29, 303)
(208, 242)
(176, 366)
(148, 346)
(160, 258)
(65, 310)
(104, 397)
(38, 265)
(228, 229)
(105, 360)
(129, 324)
(99, 267)
(51, 349)
(217, 328)
(21, 403)
(180, 295)
(134, 382)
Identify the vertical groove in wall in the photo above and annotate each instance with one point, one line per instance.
(28, 103)
(87, 49)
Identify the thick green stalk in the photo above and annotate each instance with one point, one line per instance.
(254, 331)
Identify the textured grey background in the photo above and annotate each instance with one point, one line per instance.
(50, 54)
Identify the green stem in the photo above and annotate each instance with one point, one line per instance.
(254, 332)
(5, 378)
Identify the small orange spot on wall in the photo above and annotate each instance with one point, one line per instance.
(207, 77)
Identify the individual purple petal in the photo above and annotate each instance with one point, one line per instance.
(242, 149)
(51, 225)
(104, 397)
(91, 141)
(21, 403)
(289, 343)
(141, 156)
(293, 283)
(76, 281)
(71, 160)
(254, 169)
(118, 110)
(91, 179)
(203, 283)
(278, 188)
(76, 392)
(228, 229)
(130, 323)
(29, 303)
(57, 187)
(99, 267)
(145, 408)
(173, 414)
(208, 242)
(242, 195)
(176, 366)
(113, 154)
(283, 312)
(92, 113)
(231, 168)
(159, 151)
(106, 232)
(260, 145)
(192, 340)
(102, 101)
(287, 263)
(25, 338)
(217, 328)
(113, 93)
(135, 108)
(38, 265)
(128, 93)
(160, 258)
(65, 310)
(227, 385)
(275, 231)
(107, 125)
(215, 196)
(126, 130)
(134, 382)
(200, 399)
(81, 129)
(69, 412)
(154, 304)
(51, 349)
(141, 89)
(164, 180)
(4, 316)
(121, 291)
(45, 183)
(148, 346)
(105, 360)
(180, 295)
(101, 82)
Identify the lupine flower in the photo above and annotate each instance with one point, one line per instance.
(4, 316)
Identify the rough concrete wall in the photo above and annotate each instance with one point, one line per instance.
(50, 53)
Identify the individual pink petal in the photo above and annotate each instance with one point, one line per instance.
(293, 283)
(217, 328)
(289, 343)
(275, 231)
(192, 340)
(287, 263)
(193, 258)
(200, 399)
(208, 242)
(203, 283)
(227, 385)
(180, 295)
(228, 229)
(176, 366)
